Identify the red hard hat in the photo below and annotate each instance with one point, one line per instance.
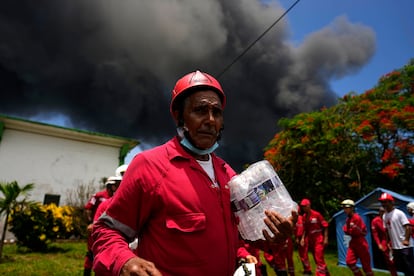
(385, 196)
(305, 202)
(196, 79)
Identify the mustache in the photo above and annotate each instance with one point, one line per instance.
(209, 131)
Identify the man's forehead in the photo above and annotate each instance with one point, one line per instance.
(206, 99)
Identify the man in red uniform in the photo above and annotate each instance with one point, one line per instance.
(176, 200)
(90, 208)
(378, 232)
(410, 210)
(112, 184)
(358, 245)
(280, 258)
(250, 254)
(302, 249)
(398, 235)
(316, 233)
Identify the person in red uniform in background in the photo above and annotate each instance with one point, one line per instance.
(250, 254)
(316, 233)
(378, 232)
(112, 184)
(410, 210)
(358, 245)
(91, 207)
(302, 249)
(289, 256)
(280, 257)
(175, 198)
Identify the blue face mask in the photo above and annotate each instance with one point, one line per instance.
(186, 143)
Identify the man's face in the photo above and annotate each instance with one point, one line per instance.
(347, 210)
(387, 204)
(113, 187)
(203, 118)
(305, 208)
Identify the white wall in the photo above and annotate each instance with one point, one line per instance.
(55, 159)
(53, 164)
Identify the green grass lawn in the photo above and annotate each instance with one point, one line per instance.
(67, 258)
(331, 259)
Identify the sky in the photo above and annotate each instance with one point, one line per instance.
(109, 66)
(392, 22)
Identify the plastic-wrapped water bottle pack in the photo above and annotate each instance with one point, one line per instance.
(256, 189)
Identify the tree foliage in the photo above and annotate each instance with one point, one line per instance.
(10, 191)
(345, 151)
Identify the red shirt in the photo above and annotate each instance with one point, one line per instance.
(101, 209)
(184, 224)
(299, 227)
(96, 200)
(412, 226)
(355, 227)
(314, 223)
(378, 230)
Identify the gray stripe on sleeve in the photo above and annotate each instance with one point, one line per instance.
(115, 224)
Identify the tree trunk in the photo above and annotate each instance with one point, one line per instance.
(3, 235)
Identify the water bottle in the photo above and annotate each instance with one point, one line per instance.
(256, 189)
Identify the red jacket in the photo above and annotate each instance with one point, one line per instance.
(355, 227)
(94, 202)
(299, 227)
(411, 220)
(314, 224)
(378, 231)
(184, 224)
(101, 209)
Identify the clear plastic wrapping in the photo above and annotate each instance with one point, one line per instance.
(256, 189)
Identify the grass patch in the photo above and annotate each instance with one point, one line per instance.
(64, 258)
(67, 257)
(331, 259)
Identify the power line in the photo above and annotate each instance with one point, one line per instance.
(256, 40)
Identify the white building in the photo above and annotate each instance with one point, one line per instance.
(57, 159)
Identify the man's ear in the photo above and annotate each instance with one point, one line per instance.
(176, 116)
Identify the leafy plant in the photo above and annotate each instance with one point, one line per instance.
(11, 192)
(36, 226)
(345, 151)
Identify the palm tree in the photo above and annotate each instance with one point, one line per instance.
(11, 191)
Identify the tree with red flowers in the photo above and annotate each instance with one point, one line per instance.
(345, 151)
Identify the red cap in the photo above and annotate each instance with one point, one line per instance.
(305, 202)
(385, 196)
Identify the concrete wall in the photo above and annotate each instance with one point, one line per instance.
(53, 164)
(56, 159)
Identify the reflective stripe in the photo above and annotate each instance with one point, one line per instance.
(115, 224)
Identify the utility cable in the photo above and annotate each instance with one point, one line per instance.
(256, 40)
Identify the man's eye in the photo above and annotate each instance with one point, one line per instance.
(203, 110)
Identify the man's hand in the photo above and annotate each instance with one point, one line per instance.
(251, 259)
(139, 267)
(280, 226)
(89, 228)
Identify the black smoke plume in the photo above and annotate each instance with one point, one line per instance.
(109, 66)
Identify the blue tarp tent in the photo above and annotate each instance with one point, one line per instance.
(367, 207)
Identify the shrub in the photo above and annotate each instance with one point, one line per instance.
(77, 198)
(35, 226)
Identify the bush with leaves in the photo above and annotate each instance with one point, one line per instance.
(347, 150)
(35, 226)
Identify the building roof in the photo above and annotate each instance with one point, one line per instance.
(66, 133)
(370, 201)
